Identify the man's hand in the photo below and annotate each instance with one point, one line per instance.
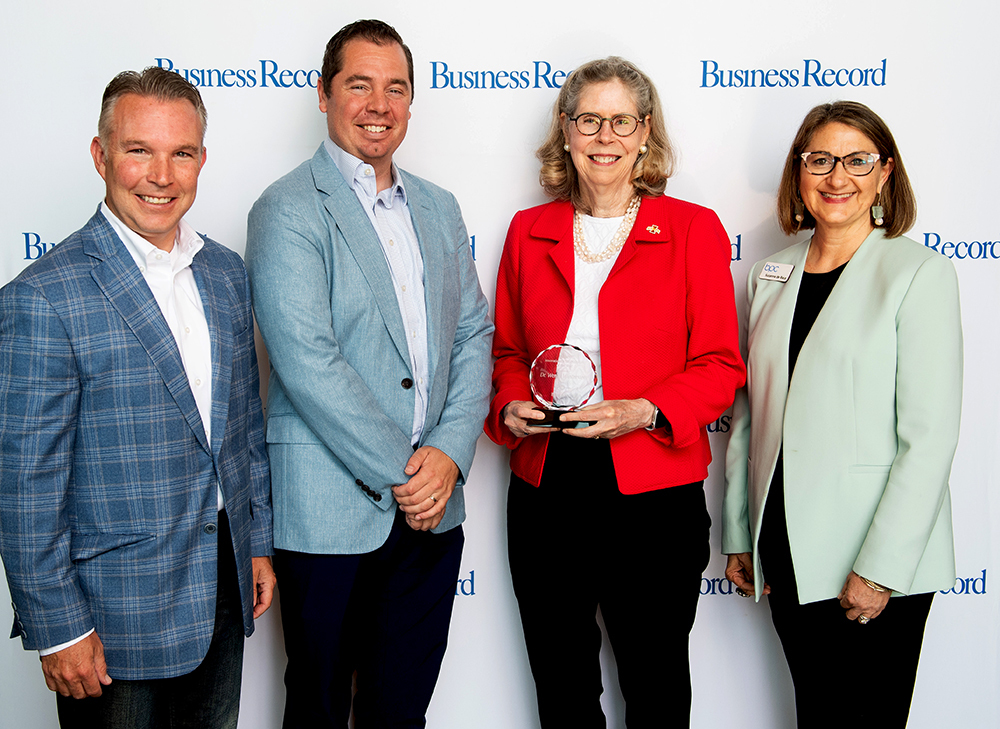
(78, 671)
(432, 480)
(264, 581)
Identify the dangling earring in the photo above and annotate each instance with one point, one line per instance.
(798, 210)
(642, 149)
(566, 147)
(878, 214)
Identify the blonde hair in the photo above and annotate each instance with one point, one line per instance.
(652, 169)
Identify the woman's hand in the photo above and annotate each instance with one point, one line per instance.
(614, 418)
(517, 416)
(739, 571)
(858, 598)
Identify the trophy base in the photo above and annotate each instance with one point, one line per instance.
(551, 420)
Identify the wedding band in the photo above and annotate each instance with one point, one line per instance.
(863, 620)
(433, 499)
(742, 593)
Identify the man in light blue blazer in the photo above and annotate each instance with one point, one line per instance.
(379, 340)
(135, 517)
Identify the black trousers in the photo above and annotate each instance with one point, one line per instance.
(206, 698)
(384, 614)
(576, 543)
(843, 672)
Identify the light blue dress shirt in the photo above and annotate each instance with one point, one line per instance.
(390, 217)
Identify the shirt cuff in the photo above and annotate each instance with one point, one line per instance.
(62, 646)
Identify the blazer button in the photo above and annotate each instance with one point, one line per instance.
(377, 498)
(407, 383)
(211, 529)
(359, 482)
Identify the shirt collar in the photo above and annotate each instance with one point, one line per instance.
(186, 244)
(360, 176)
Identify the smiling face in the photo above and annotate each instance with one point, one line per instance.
(839, 202)
(604, 161)
(150, 164)
(368, 105)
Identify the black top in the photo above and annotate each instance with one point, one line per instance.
(813, 293)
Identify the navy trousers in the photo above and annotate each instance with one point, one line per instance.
(384, 615)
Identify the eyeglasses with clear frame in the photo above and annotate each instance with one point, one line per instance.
(623, 125)
(857, 164)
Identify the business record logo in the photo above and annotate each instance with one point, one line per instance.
(534, 75)
(810, 73)
(962, 250)
(34, 246)
(264, 74)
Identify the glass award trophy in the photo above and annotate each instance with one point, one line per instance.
(563, 378)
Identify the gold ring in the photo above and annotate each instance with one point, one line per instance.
(863, 619)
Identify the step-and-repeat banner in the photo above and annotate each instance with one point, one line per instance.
(736, 78)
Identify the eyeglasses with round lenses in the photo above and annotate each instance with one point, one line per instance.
(858, 164)
(624, 125)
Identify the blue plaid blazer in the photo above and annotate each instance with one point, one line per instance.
(108, 509)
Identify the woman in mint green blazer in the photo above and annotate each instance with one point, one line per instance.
(837, 470)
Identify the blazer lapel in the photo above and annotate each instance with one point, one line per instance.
(556, 224)
(850, 280)
(776, 302)
(217, 300)
(433, 258)
(356, 228)
(646, 229)
(118, 277)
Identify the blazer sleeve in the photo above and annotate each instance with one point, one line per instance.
(510, 370)
(928, 413)
(291, 293)
(696, 396)
(261, 535)
(467, 400)
(39, 399)
(736, 537)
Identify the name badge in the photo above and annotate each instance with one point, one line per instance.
(776, 271)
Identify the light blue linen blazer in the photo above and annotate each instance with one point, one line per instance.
(869, 421)
(339, 412)
(108, 505)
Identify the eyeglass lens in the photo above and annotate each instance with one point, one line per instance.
(858, 164)
(621, 124)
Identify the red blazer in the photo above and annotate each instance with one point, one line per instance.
(668, 333)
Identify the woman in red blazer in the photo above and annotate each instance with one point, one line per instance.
(612, 514)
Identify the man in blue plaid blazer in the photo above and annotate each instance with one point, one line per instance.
(135, 516)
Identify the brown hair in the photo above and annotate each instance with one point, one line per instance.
(373, 31)
(154, 82)
(652, 169)
(897, 200)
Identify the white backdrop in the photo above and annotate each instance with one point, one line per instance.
(932, 75)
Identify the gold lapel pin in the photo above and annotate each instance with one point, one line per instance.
(654, 229)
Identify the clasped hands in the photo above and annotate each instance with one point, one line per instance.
(432, 481)
(613, 418)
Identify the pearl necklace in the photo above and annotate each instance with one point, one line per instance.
(621, 235)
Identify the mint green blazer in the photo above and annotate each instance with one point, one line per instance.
(869, 422)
